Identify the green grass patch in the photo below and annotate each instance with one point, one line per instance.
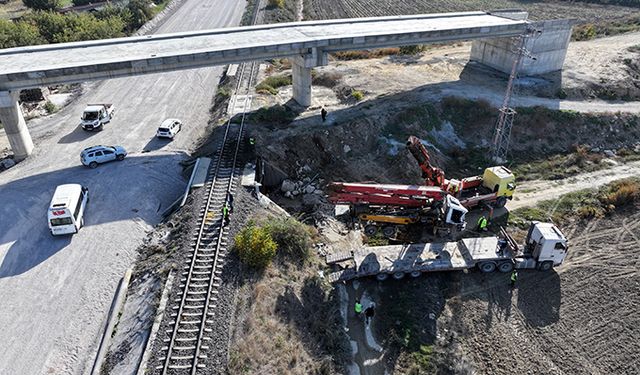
(271, 84)
(583, 204)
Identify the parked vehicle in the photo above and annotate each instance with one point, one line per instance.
(169, 128)
(66, 211)
(94, 155)
(96, 115)
(545, 247)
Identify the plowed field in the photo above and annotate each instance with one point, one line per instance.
(328, 9)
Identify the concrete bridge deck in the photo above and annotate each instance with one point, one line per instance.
(35, 66)
(307, 43)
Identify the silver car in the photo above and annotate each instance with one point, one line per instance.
(95, 155)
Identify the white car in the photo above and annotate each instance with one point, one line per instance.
(169, 128)
(95, 155)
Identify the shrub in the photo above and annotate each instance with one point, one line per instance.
(621, 193)
(277, 114)
(365, 54)
(50, 107)
(293, 237)
(411, 50)
(223, 92)
(276, 3)
(584, 32)
(141, 12)
(357, 95)
(255, 246)
(326, 79)
(42, 4)
(271, 84)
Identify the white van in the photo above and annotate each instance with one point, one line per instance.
(66, 211)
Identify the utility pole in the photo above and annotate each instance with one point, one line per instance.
(502, 131)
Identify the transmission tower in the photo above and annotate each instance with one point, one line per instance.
(502, 131)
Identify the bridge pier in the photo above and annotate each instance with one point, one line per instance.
(14, 125)
(301, 74)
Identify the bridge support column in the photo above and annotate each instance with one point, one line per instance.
(14, 125)
(301, 77)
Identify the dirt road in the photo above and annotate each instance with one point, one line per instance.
(55, 292)
(535, 191)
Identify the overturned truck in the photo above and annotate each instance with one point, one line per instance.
(545, 247)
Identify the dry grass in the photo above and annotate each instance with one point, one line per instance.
(366, 54)
(291, 324)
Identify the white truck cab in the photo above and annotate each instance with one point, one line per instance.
(455, 212)
(96, 115)
(546, 244)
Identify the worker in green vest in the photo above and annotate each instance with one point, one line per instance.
(225, 214)
(514, 278)
(482, 224)
(358, 307)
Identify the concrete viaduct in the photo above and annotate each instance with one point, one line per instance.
(306, 43)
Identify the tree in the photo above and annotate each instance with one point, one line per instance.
(42, 4)
(18, 34)
(141, 12)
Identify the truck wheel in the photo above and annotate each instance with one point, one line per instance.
(505, 267)
(120, 157)
(370, 230)
(487, 267)
(93, 165)
(389, 231)
(415, 273)
(500, 202)
(382, 276)
(398, 275)
(545, 266)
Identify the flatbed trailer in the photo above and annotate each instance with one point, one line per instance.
(545, 248)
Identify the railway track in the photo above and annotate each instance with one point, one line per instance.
(188, 340)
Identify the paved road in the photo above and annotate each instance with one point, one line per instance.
(55, 292)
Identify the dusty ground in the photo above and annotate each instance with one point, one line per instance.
(579, 319)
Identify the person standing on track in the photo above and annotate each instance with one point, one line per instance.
(323, 114)
(225, 214)
(230, 201)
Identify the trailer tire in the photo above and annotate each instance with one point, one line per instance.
(487, 267)
(382, 276)
(415, 273)
(545, 266)
(500, 202)
(505, 267)
(389, 231)
(370, 230)
(398, 275)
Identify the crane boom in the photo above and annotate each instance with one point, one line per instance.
(433, 176)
